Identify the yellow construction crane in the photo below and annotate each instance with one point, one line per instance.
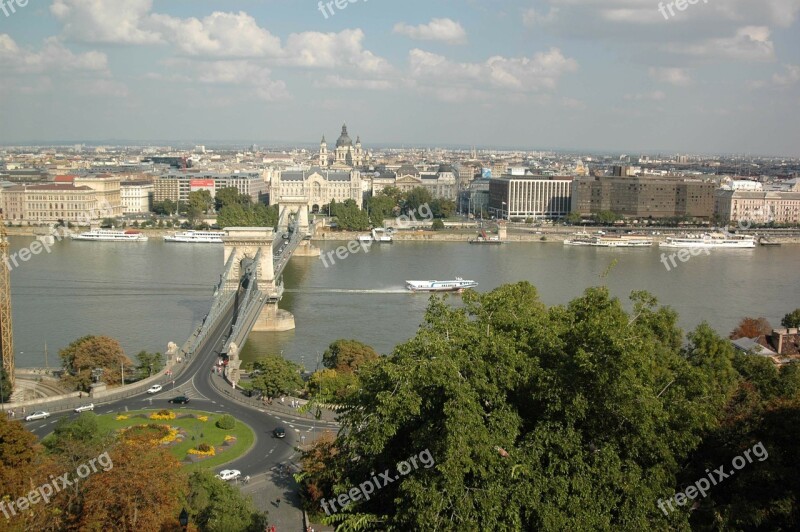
(6, 330)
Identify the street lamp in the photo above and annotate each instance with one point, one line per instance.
(503, 209)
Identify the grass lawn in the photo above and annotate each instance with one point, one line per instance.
(193, 428)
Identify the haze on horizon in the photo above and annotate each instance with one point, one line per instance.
(722, 76)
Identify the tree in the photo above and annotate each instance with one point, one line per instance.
(215, 505)
(347, 356)
(415, 198)
(330, 386)
(437, 225)
(380, 207)
(751, 328)
(230, 196)
(571, 417)
(349, 216)
(276, 376)
(250, 215)
(573, 218)
(792, 320)
(442, 208)
(85, 354)
(5, 385)
(605, 217)
(149, 363)
(165, 208)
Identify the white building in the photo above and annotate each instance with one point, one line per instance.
(136, 196)
(318, 186)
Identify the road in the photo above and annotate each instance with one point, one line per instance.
(269, 461)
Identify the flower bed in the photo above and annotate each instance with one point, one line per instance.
(203, 449)
(163, 415)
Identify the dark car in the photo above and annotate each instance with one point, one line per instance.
(279, 432)
(180, 400)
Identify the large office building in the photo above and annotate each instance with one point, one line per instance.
(176, 186)
(54, 202)
(137, 196)
(521, 197)
(644, 197)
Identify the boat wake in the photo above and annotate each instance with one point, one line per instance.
(345, 291)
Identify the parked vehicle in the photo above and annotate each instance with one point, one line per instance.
(85, 408)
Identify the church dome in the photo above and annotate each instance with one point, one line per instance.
(344, 139)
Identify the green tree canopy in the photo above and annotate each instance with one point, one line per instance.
(415, 198)
(275, 376)
(346, 356)
(792, 320)
(149, 363)
(230, 196)
(250, 215)
(214, 505)
(573, 417)
(85, 354)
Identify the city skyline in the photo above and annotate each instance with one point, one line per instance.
(570, 75)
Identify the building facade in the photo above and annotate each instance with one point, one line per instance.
(137, 197)
(644, 197)
(54, 202)
(345, 154)
(176, 186)
(317, 186)
(513, 197)
(734, 206)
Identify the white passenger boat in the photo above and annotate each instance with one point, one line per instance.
(379, 235)
(711, 241)
(440, 286)
(606, 241)
(196, 237)
(111, 235)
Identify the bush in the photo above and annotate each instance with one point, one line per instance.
(226, 422)
(437, 225)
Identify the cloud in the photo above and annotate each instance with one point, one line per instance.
(673, 76)
(52, 57)
(541, 72)
(655, 96)
(790, 77)
(750, 43)
(338, 82)
(333, 51)
(218, 35)
(439, 29)
(532, 18)
(106, 21)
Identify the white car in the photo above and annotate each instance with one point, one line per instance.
(154, 388)
(229, 474)
(41, 414)
(85, 408)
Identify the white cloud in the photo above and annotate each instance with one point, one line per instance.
(338, 82)
(105, 21)
(218, 35)
(655, 96)
(52, 57)
(673, 76)
(333, 51)
(438, 29)
(532, 18)
(750, 43)
(790, 76)
(517, 74)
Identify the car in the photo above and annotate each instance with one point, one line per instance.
(85, 408)
(279, 432)
(154, 388)
(40, 414)
(229, 474)
(180, 400)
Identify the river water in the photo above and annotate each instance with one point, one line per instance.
(148, 294)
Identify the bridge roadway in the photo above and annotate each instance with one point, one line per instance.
(263, 462)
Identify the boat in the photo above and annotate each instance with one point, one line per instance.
(608, 241)
(196, 237)
(710, 241)
(380, 235)
(483, 238)
(111, 235)
(456, 285)
(764, 241)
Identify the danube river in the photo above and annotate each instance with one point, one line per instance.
(147, 294)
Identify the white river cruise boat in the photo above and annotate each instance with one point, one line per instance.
(709, 241)
(606, 241)
(440, 286)
(196, 237)
(111, 235)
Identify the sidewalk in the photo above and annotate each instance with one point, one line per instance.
(267, 488)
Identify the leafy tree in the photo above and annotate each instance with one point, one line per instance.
(5, 386)
(250, 215)
(331, 386)
(149, 363)
(85, 354)
(606, 217)
(200, 202)
(230, 196)
(437, 225)
(349, 216)
(573, 218)
(791, 320)
(346, 356)
(751, 328)
(276, 376)
(395, 193)
(216, 506)
(165, 208)
(415, 198)
(443, 208)
(572, 417)
(380, 207)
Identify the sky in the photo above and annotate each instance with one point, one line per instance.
(719, 76)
